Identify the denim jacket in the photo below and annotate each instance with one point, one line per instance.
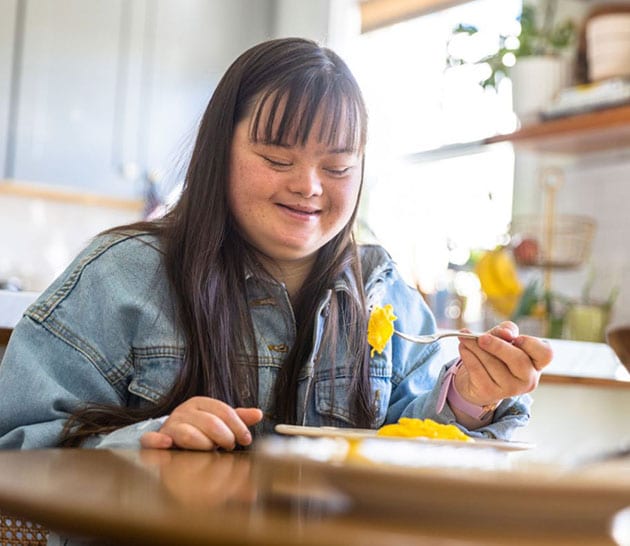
(105, 332)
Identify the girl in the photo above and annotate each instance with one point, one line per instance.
(247, 304)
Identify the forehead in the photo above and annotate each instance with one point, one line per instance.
(286, 119)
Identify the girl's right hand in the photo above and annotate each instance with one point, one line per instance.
(204, 424)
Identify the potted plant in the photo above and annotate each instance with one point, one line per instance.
(535, 59)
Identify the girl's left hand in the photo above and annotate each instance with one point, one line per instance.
(499, 364)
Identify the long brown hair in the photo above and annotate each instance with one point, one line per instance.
(206, 257)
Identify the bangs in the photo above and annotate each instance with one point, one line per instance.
(285, 115)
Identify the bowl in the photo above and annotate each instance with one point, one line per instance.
(608, 46)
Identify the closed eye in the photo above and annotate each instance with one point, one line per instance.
(276, 163)
(339, 172)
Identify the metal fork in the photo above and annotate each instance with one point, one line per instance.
(432, 338)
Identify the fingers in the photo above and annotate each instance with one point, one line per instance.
(156, 440)
(539, 350)
(203, 423)
(501, 363)
(250, 416)
(506, 330)
(499, 357)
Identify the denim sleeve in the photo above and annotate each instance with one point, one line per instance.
(511, 414)
(42, 381)
(418, 370)
(126, 437)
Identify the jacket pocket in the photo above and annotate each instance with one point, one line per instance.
(333, 401)
(155, 371)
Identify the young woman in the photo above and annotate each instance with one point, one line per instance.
(247, 304)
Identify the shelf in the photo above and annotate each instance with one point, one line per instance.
(595, 131)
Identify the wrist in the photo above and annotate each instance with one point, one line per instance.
(481, 413)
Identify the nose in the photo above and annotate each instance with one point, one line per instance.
(306, 182)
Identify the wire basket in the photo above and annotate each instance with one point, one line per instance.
(563, 243)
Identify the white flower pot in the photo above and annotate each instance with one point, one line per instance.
(535, 83)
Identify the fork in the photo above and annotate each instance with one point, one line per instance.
(432, 338)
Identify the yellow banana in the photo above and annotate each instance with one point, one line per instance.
(499, 280)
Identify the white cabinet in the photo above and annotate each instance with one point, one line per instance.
(8, 14)
(109, 90)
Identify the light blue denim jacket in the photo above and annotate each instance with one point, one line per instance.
(104, 332)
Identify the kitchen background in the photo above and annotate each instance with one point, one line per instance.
(99, 100)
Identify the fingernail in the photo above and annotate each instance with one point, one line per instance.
(247, 438)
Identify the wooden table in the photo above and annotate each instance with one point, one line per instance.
(188, 498)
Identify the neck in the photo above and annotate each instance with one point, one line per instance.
(291, 274)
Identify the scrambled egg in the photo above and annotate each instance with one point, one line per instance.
(413, 428)
(380, 327)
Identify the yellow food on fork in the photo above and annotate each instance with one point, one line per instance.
(380, 327)
(408, 427)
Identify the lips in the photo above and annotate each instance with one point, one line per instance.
(299, 209)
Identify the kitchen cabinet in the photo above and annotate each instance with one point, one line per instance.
(8, 12)
(105, 93)
(70, 91)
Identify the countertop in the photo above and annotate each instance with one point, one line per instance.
(12, 305)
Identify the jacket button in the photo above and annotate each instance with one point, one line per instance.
(280, 348)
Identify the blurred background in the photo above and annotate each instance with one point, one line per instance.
(100, 99)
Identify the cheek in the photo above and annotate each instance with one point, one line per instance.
(243, 185)
(345, 199)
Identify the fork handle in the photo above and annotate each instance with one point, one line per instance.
(465, 335)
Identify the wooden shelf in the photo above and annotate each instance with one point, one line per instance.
(595, 131)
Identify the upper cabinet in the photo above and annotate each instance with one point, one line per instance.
(69, 90)
(97, 96)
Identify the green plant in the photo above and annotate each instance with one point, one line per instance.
(539, 35)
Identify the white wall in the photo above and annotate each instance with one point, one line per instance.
(596, 186)
(334, 23)
(40, 236)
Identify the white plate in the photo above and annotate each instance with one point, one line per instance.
(430, 483)
(359, 433)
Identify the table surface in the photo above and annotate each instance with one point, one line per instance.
(181, 497)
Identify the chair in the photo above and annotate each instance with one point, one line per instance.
(15, 531)
(5, 334)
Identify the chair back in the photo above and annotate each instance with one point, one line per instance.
(5, 334)
(15, 531)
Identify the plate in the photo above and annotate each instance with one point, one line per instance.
(362, 433)
(431, 483)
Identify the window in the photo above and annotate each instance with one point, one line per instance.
(431, 212)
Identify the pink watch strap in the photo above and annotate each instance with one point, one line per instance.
(449, 392)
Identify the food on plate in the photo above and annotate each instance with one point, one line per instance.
(380, 327)
(408, 427)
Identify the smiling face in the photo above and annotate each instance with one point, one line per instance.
(289, 200)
